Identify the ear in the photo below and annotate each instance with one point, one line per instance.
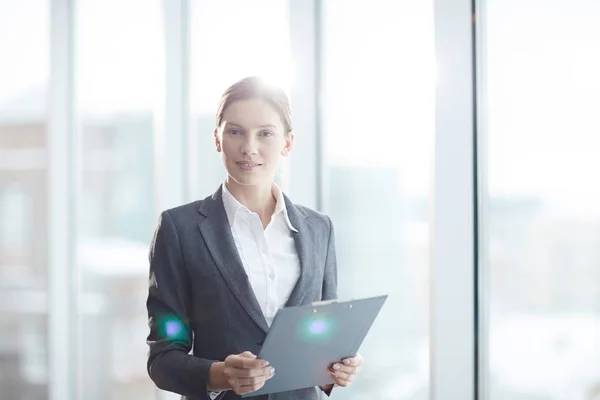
(289, 142)
(217, 139)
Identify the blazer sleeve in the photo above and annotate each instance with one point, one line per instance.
(330, 275)
(330, 282)
(170, 365)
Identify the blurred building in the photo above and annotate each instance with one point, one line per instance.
(542, 261)
(23, 248)
(115, 225)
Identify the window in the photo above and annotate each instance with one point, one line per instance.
(378, 113)
(542, 220)
(23, 199)
(119, 85)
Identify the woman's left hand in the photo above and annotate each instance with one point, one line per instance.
(345, 372)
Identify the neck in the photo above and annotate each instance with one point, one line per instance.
(256, 198)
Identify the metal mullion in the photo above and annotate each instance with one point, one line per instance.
(454, 259)
(62, 284)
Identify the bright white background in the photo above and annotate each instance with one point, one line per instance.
(106, 115)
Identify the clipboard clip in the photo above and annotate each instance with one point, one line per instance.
(323, 302)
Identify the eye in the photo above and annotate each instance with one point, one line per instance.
(234, 132)
(267, 133)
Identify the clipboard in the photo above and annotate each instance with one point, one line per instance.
(304, 341)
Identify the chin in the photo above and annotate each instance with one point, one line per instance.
(250, 180)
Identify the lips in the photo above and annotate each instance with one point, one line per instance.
(248, 164)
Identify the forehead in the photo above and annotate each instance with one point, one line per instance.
(252, 113)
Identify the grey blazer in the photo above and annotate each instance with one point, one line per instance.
(200, 298)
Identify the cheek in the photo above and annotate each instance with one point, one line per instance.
(273, 150)
(227, 147)
(272, 154)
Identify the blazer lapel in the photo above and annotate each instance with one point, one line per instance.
(217, 235)
(303, 240)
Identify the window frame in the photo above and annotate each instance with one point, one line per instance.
(454, 323)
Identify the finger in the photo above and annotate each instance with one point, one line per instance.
(253, 363)
(353, 361)
(347, 371)
(240, 390)
(248, 372)
(257, 380)
(236, 358)
(247, 354)
(342, 378)
(245, 360)
(345, 368)
(246, 363)
(247, 385)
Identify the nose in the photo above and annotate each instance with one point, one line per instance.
(249, 146)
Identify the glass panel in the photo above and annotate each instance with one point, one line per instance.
(24, 29)
(378, 126)
(119, 84)
(232, 39)
(543, 216)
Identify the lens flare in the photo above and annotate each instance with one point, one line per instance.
(172, 328)
(317, 329)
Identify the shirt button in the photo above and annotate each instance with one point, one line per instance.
(272, 275)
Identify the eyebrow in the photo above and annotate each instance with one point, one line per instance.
(260, 126)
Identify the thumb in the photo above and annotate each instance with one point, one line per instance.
(247, 354)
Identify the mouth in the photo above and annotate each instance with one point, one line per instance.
(248, 165)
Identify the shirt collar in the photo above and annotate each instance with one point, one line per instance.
(233, 206)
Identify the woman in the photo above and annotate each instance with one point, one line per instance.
(220, 268)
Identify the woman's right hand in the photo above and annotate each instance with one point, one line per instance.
(246, 373)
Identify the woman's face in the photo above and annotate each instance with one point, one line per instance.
(252, 141)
